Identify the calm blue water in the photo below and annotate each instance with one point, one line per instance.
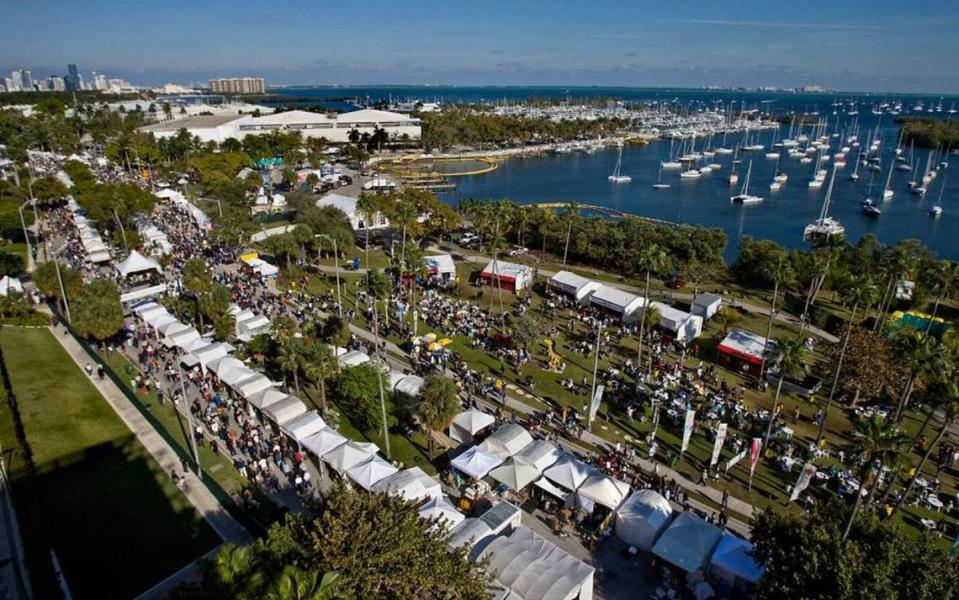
(705, 201)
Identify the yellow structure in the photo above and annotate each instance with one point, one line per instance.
(555, 360)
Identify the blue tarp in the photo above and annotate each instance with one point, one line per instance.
(733, 557)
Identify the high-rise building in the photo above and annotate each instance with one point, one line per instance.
(238, 85)
(73, 80)
(16, 84)
(57, 84)
(26, 80)
(100, 82)
(42, 85)
(8, 85)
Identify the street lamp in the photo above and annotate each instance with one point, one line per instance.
(26, 236)
(63, 293)
(189, 417)
(336, 262)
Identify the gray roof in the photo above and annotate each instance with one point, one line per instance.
(197, 122)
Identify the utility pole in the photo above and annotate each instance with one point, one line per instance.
(589, 412)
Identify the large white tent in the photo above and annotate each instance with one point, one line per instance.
(267, 397)
(540, 454)
(348, 455)
(574, 285)
(507, 441)
(137, 263)
(688, 542)
(476, 462)
(182, 339)
(323, 441)
(10, 285)
(172, 328)
(641, 518)
(684, 326)
(367, 473)
(468, 423)
(604, 490)
(229, 370)
(353, 358)
(285, 410)
(732, 560)
(616, 300)
(469, 533)
(439, 508)
(569, 472)
(411, 484)
(409, 385)
(304, 426)
(205, 355)
(515, 475)
(441, 264)
(251, 385)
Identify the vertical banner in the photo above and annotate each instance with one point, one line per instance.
(595, 402)
(718, 446)
(688, 429)
(732, 461)
(802, 483)
(754, 458)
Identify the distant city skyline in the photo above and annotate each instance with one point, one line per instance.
(886, 47)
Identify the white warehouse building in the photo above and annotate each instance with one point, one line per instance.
(335, 128)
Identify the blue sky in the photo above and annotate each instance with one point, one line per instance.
(878, 45)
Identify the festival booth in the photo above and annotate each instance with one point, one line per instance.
(470, 533)
(468, 423)
(303, 426)
(476, 463)
(158, 320)
(642, 518)
(412, 485)
(529, 566)
(743, 351)
(323, 441)
(251, 385)
(540, 454)
(209, 353)
(507, 441)
(515, 475)
(688, 542)
(172, 329)
(574, 285)
(410, 385)
(569, 473)
(508, 276)
(603, 490)
(259, 266)
(265, 398)
(284, 411)
(441, 265)
(10, 285)
(706, 305)
(680, 325)
(181, 339)
(615, 300)
(229, 370)
(368, 473)
(440, 509)
(346, 456)
(249, 328)
(353, 358)
(733, 563)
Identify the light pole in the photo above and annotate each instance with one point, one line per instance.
(336, 262)
(26, 235)
(63, 293)
(189, 418)
(589, 412)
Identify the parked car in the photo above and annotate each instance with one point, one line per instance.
(517, 250)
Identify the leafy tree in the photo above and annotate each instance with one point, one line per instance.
(291, 358)
(528, 331)
(97, 312)
(48, 188)
(438, 404)
(214, 303)
(728, 318)
(922, 355)
(869, 368)
(791, 361)
(320, 365)
(357, 388)
(45, 277)
(875, 442)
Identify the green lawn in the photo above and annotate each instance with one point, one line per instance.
(83, 485)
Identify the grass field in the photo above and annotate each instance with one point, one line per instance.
(82, 484)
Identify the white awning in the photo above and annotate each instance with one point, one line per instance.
(366, 474)
(688, 542)
(182, 339)
(252, 384)
(569, 473)
(304, 426)
(353, 358)
(323, 441)
(411, 484)
(348, 455)
(137, 263)
(441, 510)
(515, 475)
(285, 410)
(642, 518)
(266, 397)
(507, 441)
(603, 489)
(10, 284)
(540, 454)
(476, 463)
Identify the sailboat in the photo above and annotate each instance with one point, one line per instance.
(743, 196)
(617, 177)
(936, 209)
(671, 164)
(733, 175)
(825, 226)
(887, 192)
(659, 185)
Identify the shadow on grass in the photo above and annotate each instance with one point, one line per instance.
(26, 452)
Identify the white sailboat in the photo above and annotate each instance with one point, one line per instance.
(825, 226)
(618, 177)
(743, 197)
(887, 192)
(659, 185)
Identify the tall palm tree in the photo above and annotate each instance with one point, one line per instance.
(570, 216)
(290, 360)
(816, 270)
(651, 259)
(544, 224)
(861, 291)
(945, 276)
(438, 404)
(297, 584)
(875, 441)
(922, 355)
(781, 272)
(405, 213)
(368, 205)
(319, 367)
(522, 215)
(378, 286)
(790, 359)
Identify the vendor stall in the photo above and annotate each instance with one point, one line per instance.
(688, 542)
(510, 276)
(571, 284)
(642, 518)
(744, 351)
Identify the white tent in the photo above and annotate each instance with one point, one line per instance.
(323, 441)
(150, 310)
(476, 463)
(509, 276)
(470, 532)
(171, 328)
(410, 385)
(641, 518)
(10, 284)
(229, 370)
(267, 397)
(439, 508)
(353, 358)
(604, 490)
(688, 542)
(684, 326)
(467, 423)
(137, 263)
(515, 475)
(616, 300)
(250, 328)
(161, 320)
(182, 339)
(252, 384)
(304, 426)
(348, 455)
(574, 285)
(507, 441)
(733, 560)
(205, 355)
(569, 472)
(540, 454)
(410, 484)
(285, 410)
(145, 306)
(367, 473)
(441, 264)
(706, 305)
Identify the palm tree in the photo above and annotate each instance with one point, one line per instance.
(728, 318)
(544, 224)
(780, 271)
(290, 360)
(319, 367)
(818, 264)
(438, 404)
(875, 440)
(651, 259)
(571, 214)
(378, 286)
(860, 292)
(298, 584)
(405, 213)
(790, 358)
(522, 216)
(368, 205)
(945, 275)
(923, 355)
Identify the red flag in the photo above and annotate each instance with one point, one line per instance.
(754, 455)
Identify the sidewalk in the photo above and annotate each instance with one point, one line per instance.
(228, 528)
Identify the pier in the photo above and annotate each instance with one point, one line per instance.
(606, 212)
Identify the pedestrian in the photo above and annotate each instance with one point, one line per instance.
(89, 369)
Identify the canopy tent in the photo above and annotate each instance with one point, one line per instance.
(469, 533)
(410, 385)
(205, 355)
(367, 473)
(467, 423)
(733, 560)
(530, 566)
(252, 384)
(181, 339)
(641, 518)
(285, 410)
(348, 455)
(507, 441)
(688, 542)
(545, 485)
(171, 328)
(706, 305)
(574, 285)
(161, 320)
(249, 328)
(142, 307)
(230, 370)
(353, 358)
(439, 508)
(10, 285)
(441, 264)
(410, 484)
(540, 454)
(304, 426)
(151, 310)
(476, 462)
(616, 300)
(684, 326)
(604, 490)
(569, 472)
(322, 441)
(515, 475)
(137, 263)
(266, 397)
(509, 276)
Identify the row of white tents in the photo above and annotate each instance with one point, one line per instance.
(93, 245)
(411, 385)
(684, 326)
(199, 217)
(248, 324)
(154, 239)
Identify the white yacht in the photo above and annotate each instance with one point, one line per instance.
(618, 177)
(825, 226)
(744, 197)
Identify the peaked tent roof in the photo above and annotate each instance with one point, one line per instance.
(266, 397)
(137, 263)
(641, 518)
(688, 542)
(515, 475)
(441, 509)
(304, 426)
(285, 410)
(569, 472)
(410, 484)
(473, 420)
(540, 454)
(507, 441)
(367, 473)
(603, 489)
(10, 284)
(323, 441)
(733, 556)
(348, 455)
(476, 462)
